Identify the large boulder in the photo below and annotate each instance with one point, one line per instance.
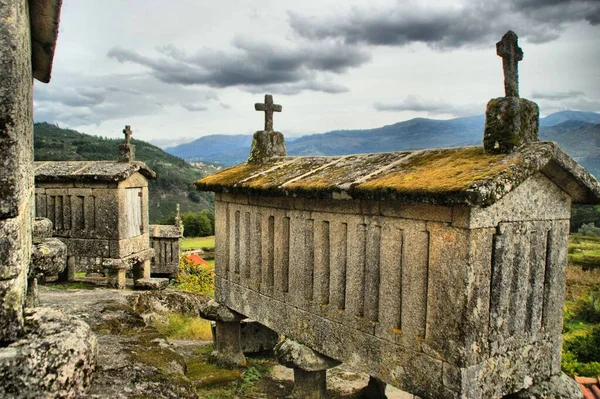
(55, 358)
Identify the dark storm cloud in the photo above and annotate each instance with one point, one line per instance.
(418, 104)
(83, 100)
(253, 65)
(472, 25)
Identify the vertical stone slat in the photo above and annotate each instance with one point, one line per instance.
(520, 278)
(282, 254)
(415, 269)
(235, 246)
(390, 289)
(355, 282)
(535, 297)
(502, 274)
(309, 261)
(339, 249)
(244, 247)
(372, 275)
(51, 211)
(222, 242)
(256, 239)
(554, 284)
(40, 205)
(67, 213)
(322, 262)
(268, 253)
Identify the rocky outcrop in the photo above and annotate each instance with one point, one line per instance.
(55, 358)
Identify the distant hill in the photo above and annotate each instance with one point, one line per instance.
(175, 176)
(576, 132)
(577, 116)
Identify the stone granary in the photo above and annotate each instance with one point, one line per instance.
(166, 240)
(43, 353)
(440, 271)
(100, 210)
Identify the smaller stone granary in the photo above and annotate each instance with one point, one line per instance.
(439, 271)
(165, 240)
(100, 210)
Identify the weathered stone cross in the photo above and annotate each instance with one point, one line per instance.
(269, 108)
(508, 48)
(128, 133)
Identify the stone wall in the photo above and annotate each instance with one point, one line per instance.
(437, 301)
(16, 152)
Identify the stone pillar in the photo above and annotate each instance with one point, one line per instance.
(31, 301)
(116, 278)
(68, 274)
(227, 339)
(375, 389)
(509, 123)
(310, 369)
(16, 157)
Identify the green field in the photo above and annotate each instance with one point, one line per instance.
(190, 243)
(584, 251)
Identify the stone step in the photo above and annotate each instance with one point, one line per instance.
(151, 283)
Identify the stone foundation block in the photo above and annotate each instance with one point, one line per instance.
(42, 229)
(153, 284)
(216, 312)
(55, 358)
(12, 295)
(509, 123)
(295, 355)
(49, 257)
(255, 337)
(559, 386)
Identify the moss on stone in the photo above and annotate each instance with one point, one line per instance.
(231, 175)
(447, 170)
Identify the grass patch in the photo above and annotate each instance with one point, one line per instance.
(189, 243)
(178, 326)
(584, 251)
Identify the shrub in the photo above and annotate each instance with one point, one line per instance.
(195, 278)
(589, 229)
(586, 348)
(587, 308)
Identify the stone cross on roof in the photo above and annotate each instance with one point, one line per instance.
(268, 107)
(128, 133)
(508, 48)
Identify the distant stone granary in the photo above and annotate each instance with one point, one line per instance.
(441, 271)
(165, 240)
(100, 210)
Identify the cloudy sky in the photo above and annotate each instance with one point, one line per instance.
(180, 69)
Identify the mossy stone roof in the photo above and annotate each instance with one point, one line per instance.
(106, 171)
(447, 176)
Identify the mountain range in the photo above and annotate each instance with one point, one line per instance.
(578, 133)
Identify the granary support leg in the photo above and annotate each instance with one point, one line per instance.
(228, 337)
(31, 300)
(68, 274)
(310, 369)
(116, 278)
(375, 389)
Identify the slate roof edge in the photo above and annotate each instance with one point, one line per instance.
(135, 166)
(44, 18)
(532, 158)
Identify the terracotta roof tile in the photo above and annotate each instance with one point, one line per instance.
(590, 387)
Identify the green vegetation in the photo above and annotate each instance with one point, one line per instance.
(195, 278)
(74, 285)
(189, 243)
(178, 326)
(585, 251)
(584, 214)
(175, 176)
(214, 382)
(581, 332)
